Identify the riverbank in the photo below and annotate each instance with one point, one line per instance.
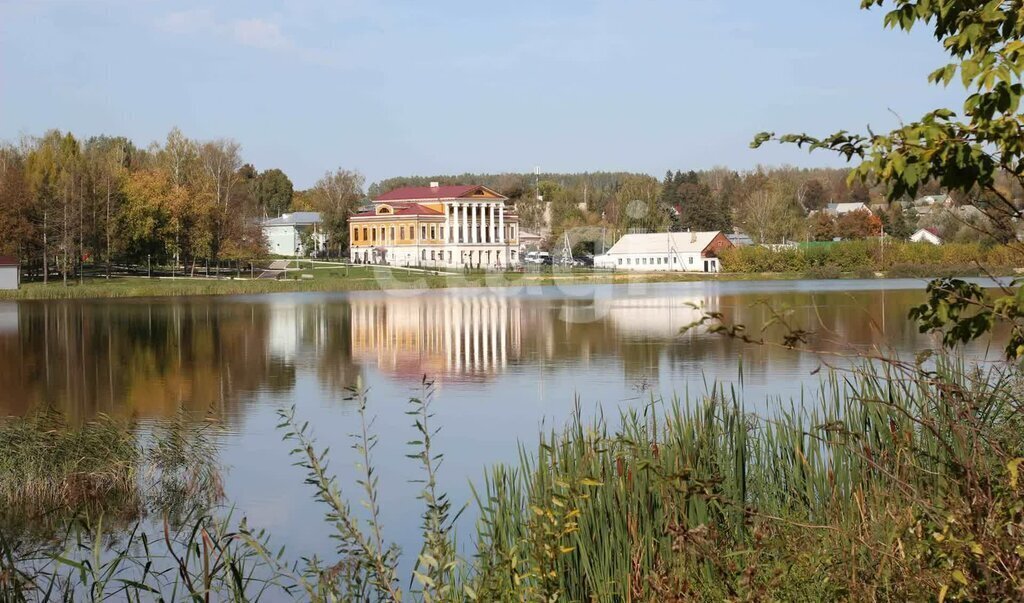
(375, 278)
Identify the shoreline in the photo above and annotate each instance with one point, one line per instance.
(361, 278)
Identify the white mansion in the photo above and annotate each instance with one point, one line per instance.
(437, 226)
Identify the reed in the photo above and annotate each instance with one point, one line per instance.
(893, 481)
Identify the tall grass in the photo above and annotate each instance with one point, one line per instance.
(895, 481)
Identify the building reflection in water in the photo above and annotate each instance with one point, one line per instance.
(453, 337)
(152, 358)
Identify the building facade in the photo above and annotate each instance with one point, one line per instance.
(10, 273)
(437, 227)
(296, 234)
(666, 252)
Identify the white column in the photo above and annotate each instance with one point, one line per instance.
(472, 223)
(463, 223)
(490, 223)
(501, 223)
(447, 223)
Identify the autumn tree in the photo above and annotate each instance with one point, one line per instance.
(337, 195)
(859, 224)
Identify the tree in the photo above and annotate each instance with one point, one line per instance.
(859, 224)
(894, 221)
(16, 227)
(144, 226)
(974, 150)
(822, 226)
(768, 212)
(273, 191)
(337, 195)
(814, 196)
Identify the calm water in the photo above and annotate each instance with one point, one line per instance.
(506, 363)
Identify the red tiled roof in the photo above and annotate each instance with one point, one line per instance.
(6, 260)
(402, 209)
(426, 192)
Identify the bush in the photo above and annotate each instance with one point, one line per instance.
(827, 260)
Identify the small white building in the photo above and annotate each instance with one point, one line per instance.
(10, 273)
(926, 235)
(285, 234)
(666, 252)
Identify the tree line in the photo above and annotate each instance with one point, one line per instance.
(69, 204)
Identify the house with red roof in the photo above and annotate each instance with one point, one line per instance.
(926, 235)
(450, 226)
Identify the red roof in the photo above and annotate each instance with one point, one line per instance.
(426, 192)
(6, 260)
(402, 209)
(934, 231)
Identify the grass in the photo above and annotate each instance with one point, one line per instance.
(894, 482)
(361, 278)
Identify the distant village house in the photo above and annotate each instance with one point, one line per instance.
(926, 235)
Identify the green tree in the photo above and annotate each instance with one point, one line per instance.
(273, 190)
(814, 196)
(895, 223)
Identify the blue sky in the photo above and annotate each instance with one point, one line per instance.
(400, 87)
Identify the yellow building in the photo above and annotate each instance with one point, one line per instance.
(437, 226)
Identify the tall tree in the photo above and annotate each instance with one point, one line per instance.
(274, 191)
(337, 195)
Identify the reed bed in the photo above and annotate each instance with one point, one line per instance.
(895, 481)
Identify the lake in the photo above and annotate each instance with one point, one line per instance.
(505, 364)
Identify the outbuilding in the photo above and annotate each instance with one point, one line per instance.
(926, 235)
(666, 252)
(10, 273)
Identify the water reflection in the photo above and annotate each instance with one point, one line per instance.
(150, 358)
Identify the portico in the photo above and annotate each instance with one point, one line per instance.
(468, 227)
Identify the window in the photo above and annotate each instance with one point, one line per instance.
(433, 233)
(449, 256)
(512, 254)
(691, 259)
(675, 260)
(629, 261)
(401, 232)
(392, 233)
(659, 261)
(355, 235)
(423, 254)
(374, 231)
(441, 230)
(423, 232)
(364, 233)
(432, 256)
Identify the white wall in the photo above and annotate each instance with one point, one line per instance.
(643, 262)
(284, 240)
(9, 277)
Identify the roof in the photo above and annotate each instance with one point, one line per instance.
(6, 260)
(523, 235)
(401, 209)
(845, 208)
(298, 218)
(425, 193)
(663, 242)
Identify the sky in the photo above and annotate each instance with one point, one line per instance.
(402, 87)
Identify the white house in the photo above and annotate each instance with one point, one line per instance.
(285, 234)
(10, 273)
(926, 235)
(666, 252)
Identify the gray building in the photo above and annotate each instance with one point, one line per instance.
(10, 273)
